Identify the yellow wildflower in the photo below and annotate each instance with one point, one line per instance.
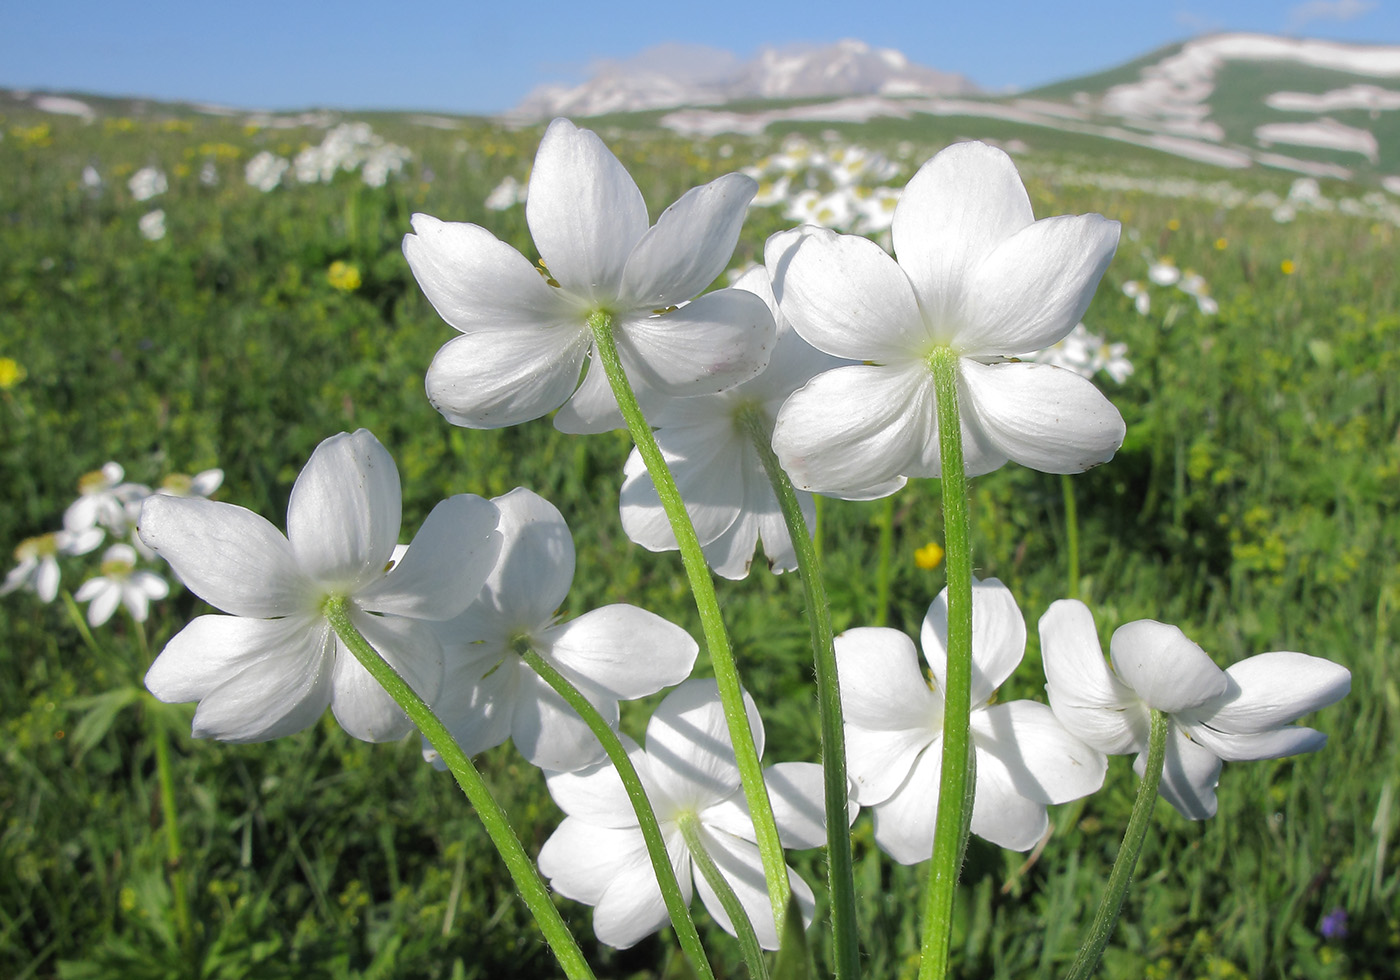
(929, 556)
(343, 276)
(1287, 267)
(1174, 225)
(1221, 244)
(11, 373)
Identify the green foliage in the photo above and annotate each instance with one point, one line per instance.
(1254, 504)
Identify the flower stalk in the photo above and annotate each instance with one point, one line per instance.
(711, 622)
(840, 880)
(676, 904)
(1121, 876)
(956, 782)
(533, 890)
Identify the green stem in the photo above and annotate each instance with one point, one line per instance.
(1071, 533)
(676, 904)
(840, 881)
(1121, 876)
(884, 562)
(533, 890)
(170, 814)
(743, 928)
(697, 570)
(955, 787)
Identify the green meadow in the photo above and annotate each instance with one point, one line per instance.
(1255, 503)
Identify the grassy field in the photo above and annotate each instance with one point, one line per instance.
(1256, 504)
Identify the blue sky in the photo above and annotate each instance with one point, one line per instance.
(474, 56)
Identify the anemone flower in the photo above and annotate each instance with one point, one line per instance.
(1244, 712)
(894, 731)
(525, 333)
(977, 275)
(273, 665)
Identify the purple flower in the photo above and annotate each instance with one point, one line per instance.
(1334, 924)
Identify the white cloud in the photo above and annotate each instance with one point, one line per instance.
(1338, 10)
(1198, 23)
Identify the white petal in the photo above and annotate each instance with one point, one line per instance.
(255, 679)
(998, 637)
(1041, 416)
(597, 795)
(953, 212)
(847, 297)
(477, 709)
(1034, 287)
(1274, 689)
(1276, 743)
(230, 557)
(536, 565)
(692, 757)
(477, 282)
(1084, 693)
(722, 339)
(343, 518)
(46, 580)
(593, 409)
(632, 908)
(797, 794)
(584, 211)
(1002, 815)
(689, 246)
(621, 650)
(445, 567)
(105, 596)
(904, 822)
(1189, 776)
(882, 688)
(488, 380)
(363, 708)
(549, 733)
(1025, 747)
(707, 463)
(857, 432)
(742, 867)
(1164, 667)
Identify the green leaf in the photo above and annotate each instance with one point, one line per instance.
(100, 712)
(794, 958)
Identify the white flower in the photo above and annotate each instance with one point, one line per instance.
(597, 855)
(894, 731)
(121, 583)
(265, 170)
(1086, 354)
(615, 653)
(508, 193)
(209, 174)
(708, 444)
(146, 183)
(525, 337)
(103, 497)
(1245, 712)
(273, 666)
(976, 275)
(38, 560)
(152, 225)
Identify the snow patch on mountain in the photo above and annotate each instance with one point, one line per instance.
(680, 74)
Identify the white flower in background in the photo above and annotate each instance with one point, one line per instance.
(120, 582)
(103, 496)
(1137, 292)
(597, 855)
(977, 275)
(37, 559)
(273, 665)
(525, 337)
(1193, 284)
(1086, 354)
(708, 443)
(1163, 272)
(146, 183)
(265, 170)
(894, 731)
(615, 653)
(382, 162)
(1245, 712)
(91, 179)
(209, 174)
(508, 193)
(348, 147)
(152, 225)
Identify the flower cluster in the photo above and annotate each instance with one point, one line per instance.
(348, 147)
(105, 510)
(835, 186)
